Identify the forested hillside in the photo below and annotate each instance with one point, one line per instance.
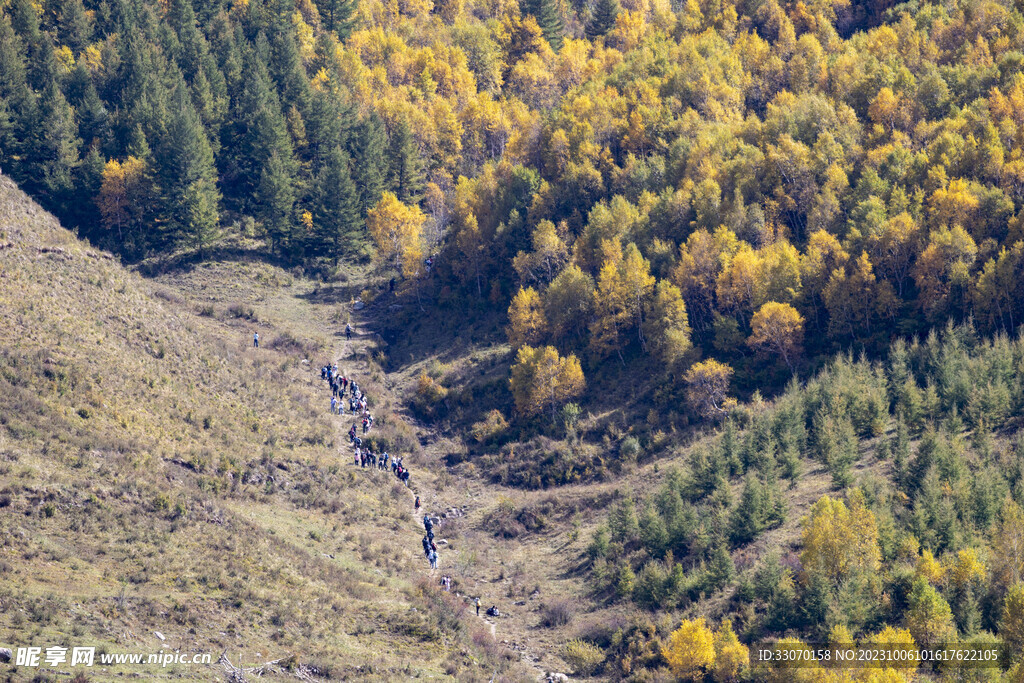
(758, 177)
(749, 274)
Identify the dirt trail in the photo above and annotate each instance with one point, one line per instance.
(352, 353)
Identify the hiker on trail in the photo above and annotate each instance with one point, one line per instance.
(426, 546)
(348, 331)
(417, 503)
(366, 425)
(391, 285)
(352, 434)
(493, 611)
(256, 340)
(433, 559)
(478, 606)
(334, 405)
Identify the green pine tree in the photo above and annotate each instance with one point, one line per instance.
(328, 125)
(74, 27)
(750, 517)
(549, 18)
(55, 149)
(339, 16)
(720, 570)
(83, 213)
(259, 132)
(187, 176)
(93, 117)
(36, 47)
(286, 69)
(405, 173)
(17, 103)
(602, 18)
(368, 148)
(275, 202)
(337, 218)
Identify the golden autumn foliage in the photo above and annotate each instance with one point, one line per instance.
(707, 388)
(690, 649)
(838, 540)
(668, 323)
(121, 189)
(1011, 628)
(964, 569)
(732, 658)
(777, 328)
(526, 323)
(396, 229)
(929, 568)
(544, 380)
(1007, 545)
(624, 287)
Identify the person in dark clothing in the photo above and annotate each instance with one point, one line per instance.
(348, 331)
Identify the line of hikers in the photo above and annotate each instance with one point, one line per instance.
(429, 547)
(364, 454)
(357, 403)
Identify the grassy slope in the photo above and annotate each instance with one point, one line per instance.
(158, 474)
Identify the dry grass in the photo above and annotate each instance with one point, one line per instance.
(158, 474)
